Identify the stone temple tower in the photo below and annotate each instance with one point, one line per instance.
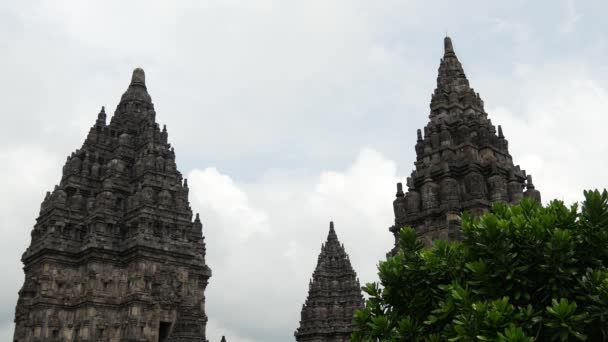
(462, 161)
(115, 253)
(333, 296)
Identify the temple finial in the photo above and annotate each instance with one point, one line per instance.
(101, 117)
(529, 184)
(448, 48)
(139, 77)
(137, 92)
(399, 190)
(332, 232)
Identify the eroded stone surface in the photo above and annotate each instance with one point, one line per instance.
(334, 295)
(115, 253)
(462, 161)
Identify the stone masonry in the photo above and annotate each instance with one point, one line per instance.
(115, 253)
(333, 296)
(462, 161)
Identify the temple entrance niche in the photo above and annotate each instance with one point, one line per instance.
(163, 331)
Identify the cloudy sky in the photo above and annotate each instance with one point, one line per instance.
(286, 114)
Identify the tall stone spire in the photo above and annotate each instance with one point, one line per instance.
(462, 161)
(115, 253)
(333, 296)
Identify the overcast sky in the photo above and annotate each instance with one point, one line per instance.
(286, 114)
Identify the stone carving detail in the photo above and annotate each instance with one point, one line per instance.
(400, 205)
(450, 192)
(474, 185)
(333, 296)
(498, 188)
(462, 161)
(115, 248)
(430, 194)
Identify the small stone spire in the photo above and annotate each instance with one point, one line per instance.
(101, 117)
(164, 136)
(335, 290)
(399, 190)
(531, 192)
(529, 184)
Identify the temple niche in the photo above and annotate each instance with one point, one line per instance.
(462, 161)
(116, 252)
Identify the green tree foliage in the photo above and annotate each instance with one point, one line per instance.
(521, 273)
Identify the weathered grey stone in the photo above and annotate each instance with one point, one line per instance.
(334, 295)
(115, 253)
(462, 161)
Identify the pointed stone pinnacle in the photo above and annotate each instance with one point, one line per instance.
(139, 77)
(332, 233)
(448, 48)
(529, 184)
(101, 117)
(452, 84)
(399, 190)
(137, 92)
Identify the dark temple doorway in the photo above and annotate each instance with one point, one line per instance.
(163, 331)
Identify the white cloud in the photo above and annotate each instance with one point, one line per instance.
(216, 331)
(27, 173)
(218, 193)
(558, 134)
(572, 17)
(362, 188)
(6, 331)
(260, 281)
